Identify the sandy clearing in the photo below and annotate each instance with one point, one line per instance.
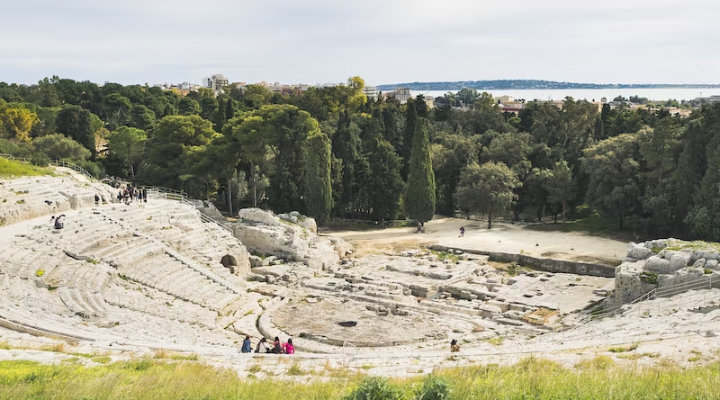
(502, 237)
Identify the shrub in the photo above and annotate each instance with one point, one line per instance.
(649, 277)
(40, 159)
(434, 388)
(375, 389)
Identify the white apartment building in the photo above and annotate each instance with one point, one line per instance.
(216, 82)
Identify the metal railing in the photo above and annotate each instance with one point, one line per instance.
(704, 282)
(60, 163)
(73, 167)
(181, 196)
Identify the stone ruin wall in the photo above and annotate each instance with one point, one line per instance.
(662, 264)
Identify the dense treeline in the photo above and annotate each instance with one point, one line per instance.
(332, 152)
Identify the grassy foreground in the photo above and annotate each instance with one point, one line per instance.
(530, 379)
(10, 168)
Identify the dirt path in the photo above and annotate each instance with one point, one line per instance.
(509, 238)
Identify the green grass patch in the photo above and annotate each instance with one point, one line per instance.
(496, 341)
(675, 245)
(101, 359)
(648, 277)
(623, 349)
(444, 255)
(168, 355)
(295, 370)
(12, 168)
(532, 378)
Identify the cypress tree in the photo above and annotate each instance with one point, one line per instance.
(345, 146)
(391, 128)
(229, 110)
(420, 194)
(409, 134)
(317, 185)
(220, 116)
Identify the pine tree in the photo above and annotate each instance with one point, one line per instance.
(420, 194)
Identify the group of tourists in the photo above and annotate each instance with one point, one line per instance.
(263, 346)
(131, 193)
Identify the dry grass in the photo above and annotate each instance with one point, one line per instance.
(532, 378)
(383, 246)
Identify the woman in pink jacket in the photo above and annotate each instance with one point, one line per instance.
(288, 347)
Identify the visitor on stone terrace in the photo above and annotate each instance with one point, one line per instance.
(277, 347)
(59, 221)
(288, 347)
(262, 346)
(454, 346)
(246, 346)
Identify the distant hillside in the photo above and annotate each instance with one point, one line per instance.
(504, 84)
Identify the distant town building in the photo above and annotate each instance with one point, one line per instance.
(181, 88)
(429, 101)
(371, 92)
(711, 99)
(216, 82)
(402, 94)
(508, 104)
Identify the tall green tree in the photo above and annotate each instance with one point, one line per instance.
(346, 148)
(450, 156)
(487, 189)
(79, 124)
(317, 185)
(408, 135)
(614, 186)
(385, 183)
(188, 106)
(171, 152)
(560, 186)
(420, 192)
(142, 117)
(659, 150)
(116, 109)
(128, 144)
(276, 131)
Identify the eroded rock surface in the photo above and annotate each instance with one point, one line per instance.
(291, 237)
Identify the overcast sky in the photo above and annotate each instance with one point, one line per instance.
(383, 41)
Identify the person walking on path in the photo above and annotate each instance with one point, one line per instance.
(462, 231)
